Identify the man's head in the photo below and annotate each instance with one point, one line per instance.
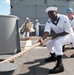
(52, 12)
(27, 19)
(69, 12)
(36, 20)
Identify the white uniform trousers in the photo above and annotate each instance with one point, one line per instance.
(37, 31)
(73, 41)
(55, 45)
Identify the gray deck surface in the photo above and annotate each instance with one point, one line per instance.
(32, 63)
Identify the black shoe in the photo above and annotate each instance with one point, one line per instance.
(50, 59)
(63, 48)
(72, 47)
(57, 69)
(72, 56)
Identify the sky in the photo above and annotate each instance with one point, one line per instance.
(4, 7)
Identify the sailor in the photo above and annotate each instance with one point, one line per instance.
(70, 15)
(27, 27)
(60, 24)
(37, 27)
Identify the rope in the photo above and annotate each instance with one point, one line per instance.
(12, 58)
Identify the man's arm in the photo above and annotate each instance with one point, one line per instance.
(73, 29)
(59, 34)
(43, 37)
(62, 34)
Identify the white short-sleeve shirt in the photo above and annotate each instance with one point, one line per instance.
(62, 25)
(72, 22)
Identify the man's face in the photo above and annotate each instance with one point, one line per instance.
(52, 14)
(70, 15)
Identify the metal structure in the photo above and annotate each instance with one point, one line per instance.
(35, 9)
(9, 37)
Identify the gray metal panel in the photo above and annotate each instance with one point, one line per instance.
(72, 4)
(40, 12)
(8, 34)
(35, 9)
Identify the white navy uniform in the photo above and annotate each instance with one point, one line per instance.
(72, 25)
(61, 25)
(27, 27)
(72, 22)
(37, 28)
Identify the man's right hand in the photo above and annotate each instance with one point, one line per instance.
(41, 41)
